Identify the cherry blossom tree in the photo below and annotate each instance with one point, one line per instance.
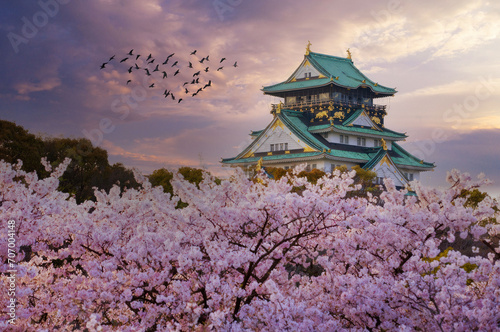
(248, 256)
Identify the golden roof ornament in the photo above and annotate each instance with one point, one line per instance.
(308, 47)
(349, 55)
(384, 144)
(330, 108)
(259, 165)
(278, 107)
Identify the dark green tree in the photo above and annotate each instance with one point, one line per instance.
(16, 143)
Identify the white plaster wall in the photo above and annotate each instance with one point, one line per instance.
(306, 69)
(276, 136)
(362, 121)
(385, 171)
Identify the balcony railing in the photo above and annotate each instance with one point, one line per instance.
(326, 103)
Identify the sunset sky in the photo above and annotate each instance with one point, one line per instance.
(441, 56)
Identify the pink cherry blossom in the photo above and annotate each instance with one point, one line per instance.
(248, 256)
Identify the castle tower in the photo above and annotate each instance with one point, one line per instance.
(328, 117)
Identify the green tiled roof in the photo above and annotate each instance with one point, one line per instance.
(384, 132)
(408, 159)
(256, 132)
(292, 120)
(370, 156)
(375, 159)
(270, 158)
(332, 67)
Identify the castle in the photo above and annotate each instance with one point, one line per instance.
(328, 118)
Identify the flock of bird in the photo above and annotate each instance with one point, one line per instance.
(148, 67)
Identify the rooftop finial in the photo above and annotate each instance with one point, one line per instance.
(349, 55)
(308, 47)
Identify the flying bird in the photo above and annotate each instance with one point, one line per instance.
(185, 83)
(147, 72)
(166, 93)
(175, 63)
(206, 70)
(137, 57)
(171, 55)
(111, 58)
(104, 65)
(164, 74)
(193, 53)
(220, 68)
(235, 64)
(179, 100)
(136, 66)
(202, 59)
(130, 53)
(165, 62)
(190, 65)
(176, 72)
(187, 91)
(206, 58)
(222, 60)
(197, 80)
(152, 85)
(172, 95)
(123, 60)
(193, 81)
(129, 81)
(208, 84)
(196, 74)
(152, 60)
(130, 69)
(149, 57)
(156, 68)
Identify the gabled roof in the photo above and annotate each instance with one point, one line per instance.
(337, 70)
(404, 157)
(292, 119)
(383, 157)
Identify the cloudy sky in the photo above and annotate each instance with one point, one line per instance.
(441, 56)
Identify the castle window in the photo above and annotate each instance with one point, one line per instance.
(361, 141)
(377, 143)
(281, 146)
(286, 146)
(314, 166)
(272, 147)
(344, 139)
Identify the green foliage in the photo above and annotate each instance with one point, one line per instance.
(312, 176)
(89, 168)
(89, 165)
(17, 144)
(192, 175)
(474, 197)
(163, 177)
(363, 177)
